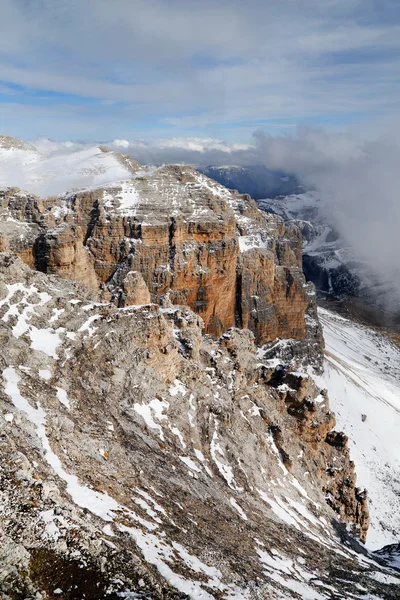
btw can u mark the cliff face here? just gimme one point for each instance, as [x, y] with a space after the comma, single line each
[182, 234]
[141, 458]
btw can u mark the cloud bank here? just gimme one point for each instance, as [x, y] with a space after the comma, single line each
[359, 181]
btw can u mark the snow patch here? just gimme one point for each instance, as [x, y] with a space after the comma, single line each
[62, 397]
[100, 504]
[248, 242]
[153, 409]
[238, 508]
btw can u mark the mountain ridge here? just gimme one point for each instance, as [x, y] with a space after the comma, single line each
[211, 476]
[165, 427]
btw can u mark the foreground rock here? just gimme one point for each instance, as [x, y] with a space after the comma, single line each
[142, 459]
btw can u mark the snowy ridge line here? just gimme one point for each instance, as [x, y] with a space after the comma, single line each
[40, 174]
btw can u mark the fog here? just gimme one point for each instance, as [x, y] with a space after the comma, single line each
[359, 180]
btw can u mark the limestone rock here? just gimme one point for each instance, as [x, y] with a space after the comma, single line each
[208, 247]
[134, 290]
[143, 457]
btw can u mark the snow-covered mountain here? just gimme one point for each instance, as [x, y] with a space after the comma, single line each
[141, 458]
[53, 168]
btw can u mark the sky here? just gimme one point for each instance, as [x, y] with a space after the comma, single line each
[151, 69]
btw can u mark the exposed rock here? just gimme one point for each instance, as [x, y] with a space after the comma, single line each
[64, 253]
[10, 143]
[391, 554]
[134, 290]
[21, 223]
[201, 471]
[209, 247]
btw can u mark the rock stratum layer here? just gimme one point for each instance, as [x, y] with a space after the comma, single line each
[169, 231]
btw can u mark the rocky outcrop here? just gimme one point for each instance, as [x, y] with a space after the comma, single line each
[208, 247]
[134, 290]
[141, 458]
[303, 401]
[21, 216]
[62, 251]
[10, 143]
[391, 554]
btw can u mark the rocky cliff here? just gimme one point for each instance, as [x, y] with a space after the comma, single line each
[143, 459]
[169, 230]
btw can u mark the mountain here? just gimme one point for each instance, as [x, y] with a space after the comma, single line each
[165, 427]
[47, 173]
[256, 180]
[332, 264]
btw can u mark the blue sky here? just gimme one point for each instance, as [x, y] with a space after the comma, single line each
[98, 70]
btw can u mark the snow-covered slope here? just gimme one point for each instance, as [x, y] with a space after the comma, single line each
[362, 375]
[140, 459]
[51, 172]
[305, 206]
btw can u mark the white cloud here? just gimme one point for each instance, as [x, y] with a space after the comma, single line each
[359, 180]
[121, 143]
[195, 66]
[202, 145]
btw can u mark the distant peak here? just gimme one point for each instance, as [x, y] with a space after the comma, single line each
[10, 143]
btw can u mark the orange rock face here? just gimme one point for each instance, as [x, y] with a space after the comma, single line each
[64, 254]
[175, 231]
[272, 299]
